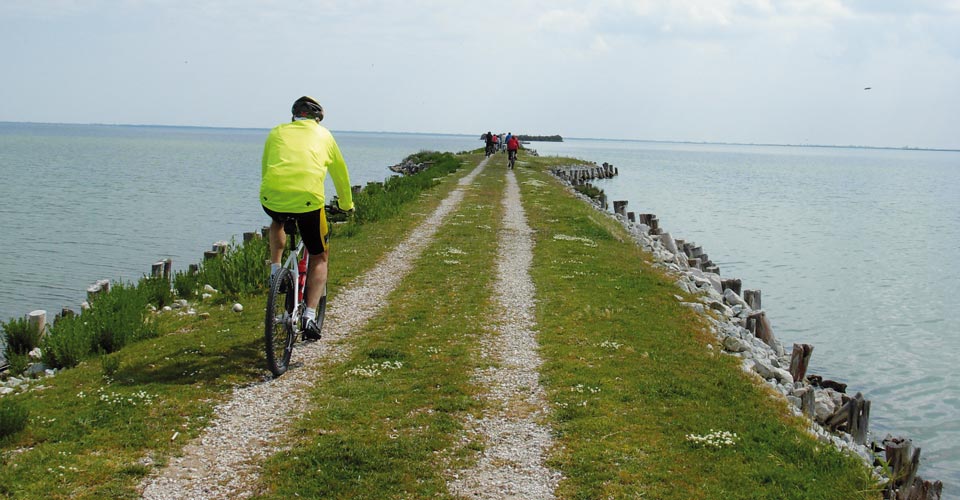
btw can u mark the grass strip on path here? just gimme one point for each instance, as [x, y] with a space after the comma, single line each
[386, 422]
[632, 379]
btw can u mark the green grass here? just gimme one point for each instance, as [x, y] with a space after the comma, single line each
[626, 369]
[388, 419]
[630, 376]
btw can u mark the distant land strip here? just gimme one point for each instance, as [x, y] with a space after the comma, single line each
[540, 138]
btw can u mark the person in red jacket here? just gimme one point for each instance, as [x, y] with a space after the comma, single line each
[513, 144]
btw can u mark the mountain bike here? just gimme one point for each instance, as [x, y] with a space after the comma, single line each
[286, 303]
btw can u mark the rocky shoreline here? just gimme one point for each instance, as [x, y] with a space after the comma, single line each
[742, 330]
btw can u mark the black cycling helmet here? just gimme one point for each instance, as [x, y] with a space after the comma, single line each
[307, 107]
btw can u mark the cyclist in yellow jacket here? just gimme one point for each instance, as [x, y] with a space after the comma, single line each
[296, 159]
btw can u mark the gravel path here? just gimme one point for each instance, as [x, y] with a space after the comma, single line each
[224, 461]
[516, 443]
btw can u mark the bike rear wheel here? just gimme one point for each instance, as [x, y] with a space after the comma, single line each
[279, 333]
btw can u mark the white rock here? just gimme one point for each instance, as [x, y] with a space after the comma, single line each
[6, 390]
[238, 307]
[206, 296]
[209, 289]
[734, 344]
[167, 308]
[696, 307]
[35, 353]
[733, 299]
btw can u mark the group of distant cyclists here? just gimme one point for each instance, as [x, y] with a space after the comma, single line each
[496, 143]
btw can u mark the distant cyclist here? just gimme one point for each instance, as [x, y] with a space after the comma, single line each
[489, 141]
[513, 145]
[296, 159]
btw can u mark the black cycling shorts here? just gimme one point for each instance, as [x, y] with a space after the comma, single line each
[312, 226]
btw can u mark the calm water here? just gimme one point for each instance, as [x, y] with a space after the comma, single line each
[855, 251]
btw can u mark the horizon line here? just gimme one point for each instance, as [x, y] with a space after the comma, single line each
[655, 141]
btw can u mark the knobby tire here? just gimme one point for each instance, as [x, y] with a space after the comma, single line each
[278, 329]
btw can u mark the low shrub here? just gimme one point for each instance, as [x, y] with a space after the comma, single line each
[241, 270]
[13, 417]
[68, 343]
[110, 365]
[118, 318]
[156, 291]
[186, 284]
[378, 201]
[20, 336]
[17, 363]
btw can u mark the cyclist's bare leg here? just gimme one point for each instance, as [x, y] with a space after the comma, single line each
[316, 278]
[278, 240]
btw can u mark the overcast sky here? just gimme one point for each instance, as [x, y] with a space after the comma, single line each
[693, 70]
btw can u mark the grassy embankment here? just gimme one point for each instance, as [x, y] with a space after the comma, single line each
[626, 368]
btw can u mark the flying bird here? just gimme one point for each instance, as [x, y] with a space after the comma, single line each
[867, 88]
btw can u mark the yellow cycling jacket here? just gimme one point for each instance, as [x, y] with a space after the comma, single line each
[296, 159]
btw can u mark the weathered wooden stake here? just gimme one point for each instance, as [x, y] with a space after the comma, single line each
[156, 270]
[37, 320]
[808, 401]
[167, 268]
[620, 207]
[761, 327]
[733, 284]
[632, 217]
[799, 360]
[903, 468]
[752, 298]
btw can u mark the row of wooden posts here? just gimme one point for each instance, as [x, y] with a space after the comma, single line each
[582, 173]
[851, 417]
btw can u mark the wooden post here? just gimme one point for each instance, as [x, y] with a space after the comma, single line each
[37, 320]
[799, 360]
[762, 328]
[193, 269]
[210, 254]
[250, 235]
[167, 268]
[66, 312]
[733, 284]
[96, 289]
[863, 422]
[903, 465]
[808, 403]
[752, 298]
[156, 270]
[632, 217]
[620, 207]
[265, 231]
[694, 263]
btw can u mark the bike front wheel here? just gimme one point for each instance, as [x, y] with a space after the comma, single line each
[279, 333]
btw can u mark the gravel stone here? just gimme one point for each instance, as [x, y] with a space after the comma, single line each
[512, 464]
